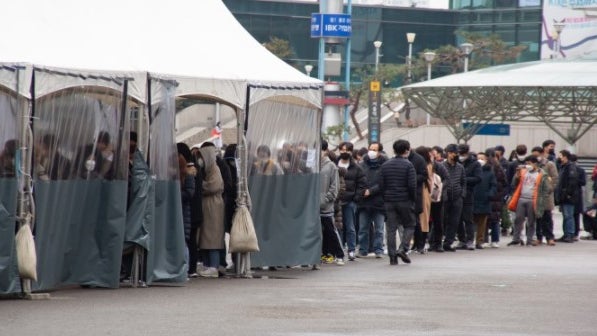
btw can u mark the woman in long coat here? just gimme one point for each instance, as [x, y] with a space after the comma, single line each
[211, 237]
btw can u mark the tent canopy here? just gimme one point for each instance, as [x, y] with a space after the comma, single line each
[560, 93]
[198, 43]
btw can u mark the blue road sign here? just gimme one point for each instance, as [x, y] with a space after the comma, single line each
[331, 25]
[490, 129]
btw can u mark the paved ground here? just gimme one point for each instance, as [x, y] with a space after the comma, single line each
[506, 291]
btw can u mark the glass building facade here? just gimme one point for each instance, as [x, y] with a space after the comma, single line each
[516, 23]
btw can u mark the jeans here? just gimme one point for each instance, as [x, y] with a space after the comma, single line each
[568, 212]
[400, 215]
[211, 258]
[348, 222]
[495, 231]
[366, 217]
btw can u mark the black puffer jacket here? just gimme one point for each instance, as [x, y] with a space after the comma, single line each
[398, 181]
[356, 183]
[372, 171]
[472, 171]
[455, 185]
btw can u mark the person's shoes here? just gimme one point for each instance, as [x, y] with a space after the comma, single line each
[421, 250]
[193, 275]
[393, 260]
[378, 255]
[327, 259]
[209, 272]
[512, 243]
[568, 240]
[339, 261]
[576, 238]
[351, 255]
[470, 247]
[551, 242]
[479, 247]
[461, 246]
[438, 249]
[533, 242]
[316, 267]
[403, 256]
[361, 255]
[561, 239]
[449, 248]
[494, 245]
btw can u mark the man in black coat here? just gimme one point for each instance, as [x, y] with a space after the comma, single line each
[454, 190]
[398, 185]
[472, 171]
[566, 194]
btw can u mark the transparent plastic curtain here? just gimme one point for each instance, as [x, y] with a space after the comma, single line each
[80, 186]
[166, 255]
[283, 167]
[9, 142]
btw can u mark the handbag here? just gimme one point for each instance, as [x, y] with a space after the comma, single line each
[26, 258]
[242, 234]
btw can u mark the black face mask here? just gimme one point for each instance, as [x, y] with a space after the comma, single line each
[552, 152]
[344, 156]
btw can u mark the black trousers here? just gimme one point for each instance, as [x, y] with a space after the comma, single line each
[193, 253]
[420, 236]
[545, 226]
[330, 238]
[436, 229]
[452, 218]
[466, 227]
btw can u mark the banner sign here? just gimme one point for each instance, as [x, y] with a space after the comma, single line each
[374, 111]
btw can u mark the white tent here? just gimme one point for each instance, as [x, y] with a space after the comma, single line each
[198, 43]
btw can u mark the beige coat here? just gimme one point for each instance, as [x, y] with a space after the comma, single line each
[551, 170]
[424, 216]
[211, 236]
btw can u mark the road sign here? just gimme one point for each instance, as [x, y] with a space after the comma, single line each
[490, 129]
[331, 25]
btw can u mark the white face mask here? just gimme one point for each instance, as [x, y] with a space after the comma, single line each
[482, 162]
[462, 158]
[528, 167]
[520, 157]
[343, 165]
[372, 155]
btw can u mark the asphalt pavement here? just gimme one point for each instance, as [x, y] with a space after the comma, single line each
[506, 291]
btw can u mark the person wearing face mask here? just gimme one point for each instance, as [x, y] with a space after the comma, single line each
[549, 147]
[531, 192]
[454, 190]
[356, 185]
[371, 207]
[545, 221]
[484, 192]
[472, 170]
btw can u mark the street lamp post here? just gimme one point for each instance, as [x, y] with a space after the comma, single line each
[466, 48]
[429, 56]
[558, 27]
[410, 38]
[308, 69]
[377, 45]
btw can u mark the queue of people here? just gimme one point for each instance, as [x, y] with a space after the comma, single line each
[445, 199]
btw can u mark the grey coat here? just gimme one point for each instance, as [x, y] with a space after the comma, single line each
[328, 176]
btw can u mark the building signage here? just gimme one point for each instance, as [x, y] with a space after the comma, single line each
[489, 129]
[374, 111]
[330, 25]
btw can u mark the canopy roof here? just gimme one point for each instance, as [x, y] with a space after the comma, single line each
[560, 93]
[198, 43]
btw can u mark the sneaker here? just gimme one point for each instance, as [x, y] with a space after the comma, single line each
[449, 248]
[328, 259]
[378, 255]
[351, 255]
[339, 261]
[193, 275]
[461, 246]
[210, 272]
[551, 242]
[316, 267]
[494, 245]
[361, 255]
